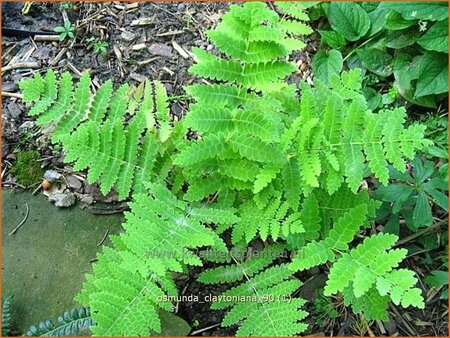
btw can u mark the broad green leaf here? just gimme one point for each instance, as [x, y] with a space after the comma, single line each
[436, 38]
[433, 74]
[395, 192]
[422, 170]
[394, 21]
[377, 20]
[349, 19]
[393, 225]
[405, 71]
[373, 98]
[325, 64]
[433, 11]
[438, 197]
[413, 297]
[437, 278]
[332, 39]
[369, 6]
[422, 212]
[376, 60]
[402, 38]
[439, 152]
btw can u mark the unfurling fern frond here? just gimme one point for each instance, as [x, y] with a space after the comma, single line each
[262, 304]
[72, 323]
[93, 131]
[130, 280]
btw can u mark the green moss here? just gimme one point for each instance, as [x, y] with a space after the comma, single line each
[27, 170]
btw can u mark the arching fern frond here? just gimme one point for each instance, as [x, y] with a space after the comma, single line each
[373, 263]
[262, 303]
[338, 146]
[130, 280]
[93, 131]
[355, 272]
[72, 323]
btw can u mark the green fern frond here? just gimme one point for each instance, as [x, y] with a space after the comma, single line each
[372, 305]
[130, 280]
[343, 232]
[215, 95]
[293, 9]
[81, 101]
[370, 265]
[276, 220]
[291, 177]
[262, 303]
[230, 274]
[93, 131]
[71, 323]
[209, 147]
[373, 263]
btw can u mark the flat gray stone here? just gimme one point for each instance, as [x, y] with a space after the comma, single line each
[128, 36]
[73, 182]
[63, 200]
[160, 49]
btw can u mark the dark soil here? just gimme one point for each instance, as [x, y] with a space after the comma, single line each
[135, 53]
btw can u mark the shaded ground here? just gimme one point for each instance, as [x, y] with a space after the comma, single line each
[44, 262]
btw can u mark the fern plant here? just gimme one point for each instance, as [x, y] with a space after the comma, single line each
[256, 132]
[266, 161]
[238, 119]
[273, 146]
[93, 131]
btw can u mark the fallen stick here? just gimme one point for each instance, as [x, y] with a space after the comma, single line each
[16, 95]
[193, 333]
[58, 57]
[21, 223]
[46, 38]
[104, 238]
[21, 65]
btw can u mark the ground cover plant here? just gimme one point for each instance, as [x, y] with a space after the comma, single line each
[262, 182]
[407, 41]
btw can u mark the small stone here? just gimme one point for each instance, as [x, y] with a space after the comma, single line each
[52, 175]
[160, 49]
[11, 157]
[5, 149]
[42, 53]
[143, 22]
[13, 109]
[181, 7]
[91, 188]
[46, 185]
[209, 48]
[26, 125]
[62, 63]
[128, 36]
[87, 199]
[9, 87]
[138, 77]
[63, 200]
[73, 182]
